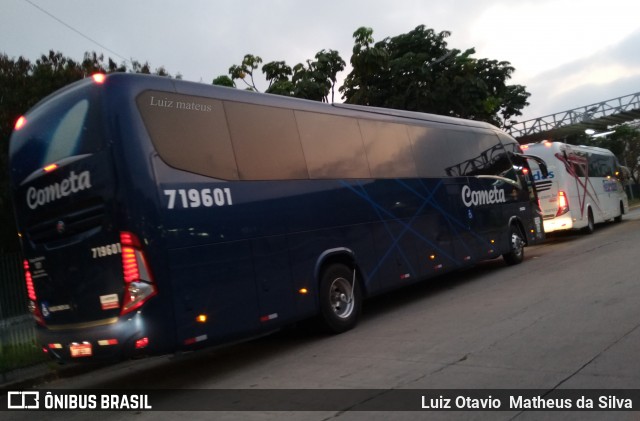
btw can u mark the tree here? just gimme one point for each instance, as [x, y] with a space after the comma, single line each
[246, 68]
[22, 85]
[328, 65]
[624, 142]
[628, 137]
[370, 71]
[224, 80]
[314, 80]
[277, 74]
[276, 71]
[308, 83]
[418, 72]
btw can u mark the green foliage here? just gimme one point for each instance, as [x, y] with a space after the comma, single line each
[22, 85]
[314, 80]
[418, 72]
[14, 356]
[414, 71]
[277, 74]
[246, 69]
[224, 81]
[328, 64]
[276, 71]
[624, 142]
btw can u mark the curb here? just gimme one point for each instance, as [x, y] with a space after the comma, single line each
[29, 377]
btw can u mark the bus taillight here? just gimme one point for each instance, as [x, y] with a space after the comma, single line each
[139, 285]
[31, 293]
[563, 203]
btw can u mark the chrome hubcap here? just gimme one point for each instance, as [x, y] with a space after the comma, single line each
[341, 298]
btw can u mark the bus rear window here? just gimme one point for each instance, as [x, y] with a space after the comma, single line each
[59, 128]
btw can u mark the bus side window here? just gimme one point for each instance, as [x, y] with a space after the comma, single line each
[332, 146]
[579, 169]
[268, 149]
[601, 165]
[431, 151]
[479, 153]
[388, 149]
[198, 142]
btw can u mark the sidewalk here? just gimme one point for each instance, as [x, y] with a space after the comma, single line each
[29, 377]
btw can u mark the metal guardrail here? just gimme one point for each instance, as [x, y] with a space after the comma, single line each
[18, 348]
[13, 296]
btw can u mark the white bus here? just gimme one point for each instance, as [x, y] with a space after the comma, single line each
[583, 186]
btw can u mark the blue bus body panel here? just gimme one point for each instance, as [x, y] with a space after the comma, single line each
[242, 261]
[248, 255]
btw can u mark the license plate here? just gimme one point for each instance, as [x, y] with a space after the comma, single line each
[80, 350]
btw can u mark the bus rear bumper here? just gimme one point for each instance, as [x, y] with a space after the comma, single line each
[559, 223]
[109, 340]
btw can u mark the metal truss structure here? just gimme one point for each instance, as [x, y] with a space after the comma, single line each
[598, 117]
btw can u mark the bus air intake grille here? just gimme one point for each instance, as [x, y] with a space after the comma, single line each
[543, 185]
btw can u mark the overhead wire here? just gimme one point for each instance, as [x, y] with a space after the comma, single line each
[51, 15]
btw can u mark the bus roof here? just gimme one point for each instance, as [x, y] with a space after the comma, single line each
[234, 94]
[557, 146]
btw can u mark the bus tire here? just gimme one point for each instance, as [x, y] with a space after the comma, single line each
[515, 254]
[591, 226]
[340, 300]
[619, 217]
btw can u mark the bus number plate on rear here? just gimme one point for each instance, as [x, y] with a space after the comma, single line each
[196, 198]
[80, 350]
[108, 250]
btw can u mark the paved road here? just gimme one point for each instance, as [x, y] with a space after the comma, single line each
[567, 318]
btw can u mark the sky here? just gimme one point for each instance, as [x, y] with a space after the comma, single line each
[567, 53]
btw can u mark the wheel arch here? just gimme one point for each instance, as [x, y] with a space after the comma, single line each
[517, 222]
[339, 255]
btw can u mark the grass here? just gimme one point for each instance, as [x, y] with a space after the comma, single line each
[13, 356]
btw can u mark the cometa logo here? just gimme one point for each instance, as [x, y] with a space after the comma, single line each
[70, 185]
[482, 197]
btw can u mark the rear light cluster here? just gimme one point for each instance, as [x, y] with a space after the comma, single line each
[563, 203]
[31, 293]
[139, 285]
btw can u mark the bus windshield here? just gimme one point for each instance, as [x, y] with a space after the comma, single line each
[59, 128]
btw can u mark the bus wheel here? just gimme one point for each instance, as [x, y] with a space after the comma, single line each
[516, 243]
[591, 226]
[619, 217]
[340, 299]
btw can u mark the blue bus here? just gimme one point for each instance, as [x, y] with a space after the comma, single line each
[159, 215]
